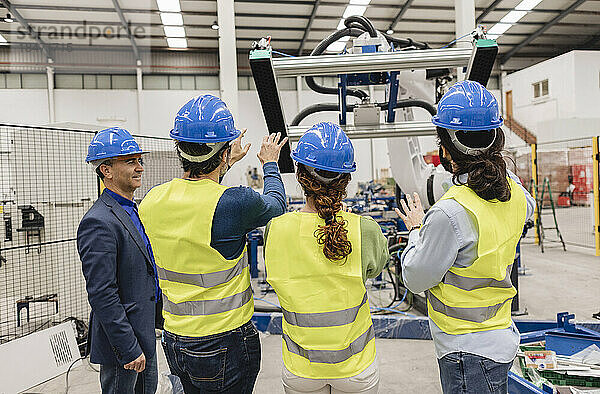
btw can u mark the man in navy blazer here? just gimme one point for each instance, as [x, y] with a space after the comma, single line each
[119, 270]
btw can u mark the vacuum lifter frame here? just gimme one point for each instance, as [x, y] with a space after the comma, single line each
[266, 70]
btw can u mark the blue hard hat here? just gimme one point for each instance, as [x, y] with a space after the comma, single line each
[468, 106]
[204, 119]
[325, 146]
[112, 142]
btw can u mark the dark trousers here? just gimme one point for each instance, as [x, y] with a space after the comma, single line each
[114, 379]
[465, 373]
[227, 362]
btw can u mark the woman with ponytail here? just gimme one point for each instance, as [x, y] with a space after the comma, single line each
[318, 260]
[461, 252]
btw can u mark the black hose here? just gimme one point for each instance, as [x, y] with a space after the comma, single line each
[324, 107]
[320, 48]
[364, 22]
[406, 42]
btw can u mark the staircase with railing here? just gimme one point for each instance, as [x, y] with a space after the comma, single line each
[520, 130]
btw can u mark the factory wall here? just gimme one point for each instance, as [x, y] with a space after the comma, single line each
[570, 110]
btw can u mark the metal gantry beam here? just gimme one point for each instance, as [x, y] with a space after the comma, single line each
[400, 14]
[541, 31]
[486, 11]
[386, 130]
[358, 63]
[308, 26]
[43, 46]
[136, 51]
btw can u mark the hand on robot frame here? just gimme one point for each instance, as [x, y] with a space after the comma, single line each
[414, 212]
[270, 148]
[237, 152]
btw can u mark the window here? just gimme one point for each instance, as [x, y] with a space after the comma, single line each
[93, 81]
[13, 81]
[34, 81]
[180, 82]
[68, 81]
[540, 89]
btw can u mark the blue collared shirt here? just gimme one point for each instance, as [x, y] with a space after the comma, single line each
[132, 210]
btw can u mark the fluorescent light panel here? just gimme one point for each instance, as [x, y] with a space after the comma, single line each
[174, 31]
[338, 46]
[513, 16]
[171, 19]
[354, 10]
[2, 39]
[176, 42]
[499, 29]
[169, 5]
[527, 5]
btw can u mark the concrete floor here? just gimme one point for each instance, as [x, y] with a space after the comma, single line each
[556, 281]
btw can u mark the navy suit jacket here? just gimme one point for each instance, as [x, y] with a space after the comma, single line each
[120, 285]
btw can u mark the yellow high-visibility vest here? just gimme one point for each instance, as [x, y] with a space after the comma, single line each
[203, 293]
[478, 297]
[327, 327]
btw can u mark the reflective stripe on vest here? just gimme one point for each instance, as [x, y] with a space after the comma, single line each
[208, 307]
[203, 292]
[468, 284]
[331, 356]
[323, 319]
[477, 297]
[477, 315]
[327, 328]
[210, 279]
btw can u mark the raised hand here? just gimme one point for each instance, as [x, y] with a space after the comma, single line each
[270, 148]
[237, 152]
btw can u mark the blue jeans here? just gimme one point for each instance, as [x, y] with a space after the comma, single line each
[466, 373]
[114, 379]
[227, 362]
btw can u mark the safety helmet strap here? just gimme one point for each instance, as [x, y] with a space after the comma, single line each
[467, 150]
[216, 147]
[313, 172]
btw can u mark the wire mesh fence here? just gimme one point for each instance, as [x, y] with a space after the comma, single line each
[564, 189]
[45, 189]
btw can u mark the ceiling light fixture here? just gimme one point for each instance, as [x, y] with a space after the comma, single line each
[2, 39]
[499, 29]
[171, 19]
[8, 19]
[527, 5]
[174, 31]
[176, 42]
[513, 16]
[215, 26]
[354, 10]
[389, 31]
[169, 5]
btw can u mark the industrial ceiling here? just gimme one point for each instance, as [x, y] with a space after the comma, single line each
[552, 27]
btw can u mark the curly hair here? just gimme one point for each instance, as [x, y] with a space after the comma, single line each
[327, 197]
[486, 173]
